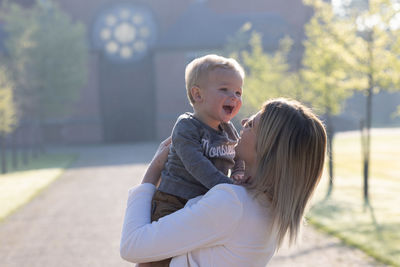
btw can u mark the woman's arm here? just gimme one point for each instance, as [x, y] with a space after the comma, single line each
[207, 223]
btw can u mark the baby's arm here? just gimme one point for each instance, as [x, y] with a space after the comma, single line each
[187, 144]
[238, 171]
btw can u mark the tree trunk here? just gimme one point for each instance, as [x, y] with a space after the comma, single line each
[24, 139]
[366, 146]
[3, 154]
[42, 148]
[330, 135]
[13, 143]
[34, 142]
[368, 118]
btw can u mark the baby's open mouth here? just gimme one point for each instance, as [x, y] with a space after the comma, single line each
[228, 109]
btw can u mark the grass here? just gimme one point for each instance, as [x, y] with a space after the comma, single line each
[19, 186]
[375, 229]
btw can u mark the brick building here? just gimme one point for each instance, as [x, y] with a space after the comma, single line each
[138, 52]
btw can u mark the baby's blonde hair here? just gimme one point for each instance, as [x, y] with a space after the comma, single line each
[290, 149]
[199, 68]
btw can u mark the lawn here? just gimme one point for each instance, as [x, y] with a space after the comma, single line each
[19, 186]
[375, 229]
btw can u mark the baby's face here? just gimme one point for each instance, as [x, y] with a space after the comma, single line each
[222, 93]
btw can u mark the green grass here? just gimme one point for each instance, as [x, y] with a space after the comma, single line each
[19, 186]
[375, 229]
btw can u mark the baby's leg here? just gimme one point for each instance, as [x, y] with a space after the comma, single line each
[163, 204]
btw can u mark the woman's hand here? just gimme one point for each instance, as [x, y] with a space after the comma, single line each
[153, 172]
[161, 155]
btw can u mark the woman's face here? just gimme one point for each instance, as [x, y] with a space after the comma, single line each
[246, 148]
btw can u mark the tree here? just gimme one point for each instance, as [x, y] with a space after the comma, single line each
[16, 62]
[8, 118]
[370, 47]
[324, 72]
[267, 74]
[52, 58]
[377, 62]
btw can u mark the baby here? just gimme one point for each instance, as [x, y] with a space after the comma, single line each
[202, 152]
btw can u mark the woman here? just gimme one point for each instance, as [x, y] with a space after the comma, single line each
[283, 147]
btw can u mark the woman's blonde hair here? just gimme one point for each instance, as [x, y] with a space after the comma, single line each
[290, 147]
[199, 68]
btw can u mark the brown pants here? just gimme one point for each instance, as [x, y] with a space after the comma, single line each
[162, 205]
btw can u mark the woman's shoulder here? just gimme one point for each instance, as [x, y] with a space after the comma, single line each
[230, 187]
[223, 195]
[230, 190]
[243, 195]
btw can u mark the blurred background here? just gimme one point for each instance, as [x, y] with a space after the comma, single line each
[109, 72]
[102, 73]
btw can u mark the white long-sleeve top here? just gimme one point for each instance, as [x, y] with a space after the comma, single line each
[225, 227]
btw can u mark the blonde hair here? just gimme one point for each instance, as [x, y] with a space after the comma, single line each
[199, 68]
[290, 147]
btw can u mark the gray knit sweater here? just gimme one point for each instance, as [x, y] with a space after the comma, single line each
[199, 158]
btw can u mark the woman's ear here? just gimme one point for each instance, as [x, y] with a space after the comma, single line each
[196, 94]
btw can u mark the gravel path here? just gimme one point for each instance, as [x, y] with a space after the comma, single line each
[77, 220]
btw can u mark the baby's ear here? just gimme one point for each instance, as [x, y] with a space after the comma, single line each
[196, 94]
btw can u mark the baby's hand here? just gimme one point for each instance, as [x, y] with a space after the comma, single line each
[238, 178]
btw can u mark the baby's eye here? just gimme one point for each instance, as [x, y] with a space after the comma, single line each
[238, 93]
[223, 89]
